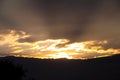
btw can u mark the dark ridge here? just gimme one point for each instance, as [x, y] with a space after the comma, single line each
[99, 59]
[105, 68]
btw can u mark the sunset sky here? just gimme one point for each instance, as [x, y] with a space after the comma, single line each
[74, 29]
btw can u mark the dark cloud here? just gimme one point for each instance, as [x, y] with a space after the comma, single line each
[77, 20]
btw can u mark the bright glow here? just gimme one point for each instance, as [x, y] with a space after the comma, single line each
[52, 48]
[60, 55]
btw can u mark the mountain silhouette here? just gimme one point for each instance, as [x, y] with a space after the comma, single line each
[106, 68]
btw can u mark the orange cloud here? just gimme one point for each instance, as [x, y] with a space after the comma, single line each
[51, 48]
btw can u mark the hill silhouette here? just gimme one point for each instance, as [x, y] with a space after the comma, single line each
[107, 68]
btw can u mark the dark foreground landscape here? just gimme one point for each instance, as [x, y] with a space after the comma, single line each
[17, 68]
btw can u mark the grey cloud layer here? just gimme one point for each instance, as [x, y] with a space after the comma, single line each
[77, 20]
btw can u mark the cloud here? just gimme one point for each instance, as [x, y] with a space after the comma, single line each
[52, 48]
[75, 20]
[47, 22]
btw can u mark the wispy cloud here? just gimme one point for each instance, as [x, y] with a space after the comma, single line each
[52, 48]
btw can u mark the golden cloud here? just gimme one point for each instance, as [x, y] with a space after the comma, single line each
[52, 48]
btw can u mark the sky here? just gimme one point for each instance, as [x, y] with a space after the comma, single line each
[29, 25]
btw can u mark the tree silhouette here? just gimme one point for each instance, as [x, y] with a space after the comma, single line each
[10, 71]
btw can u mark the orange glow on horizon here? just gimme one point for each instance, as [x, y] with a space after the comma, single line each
[51, 48]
